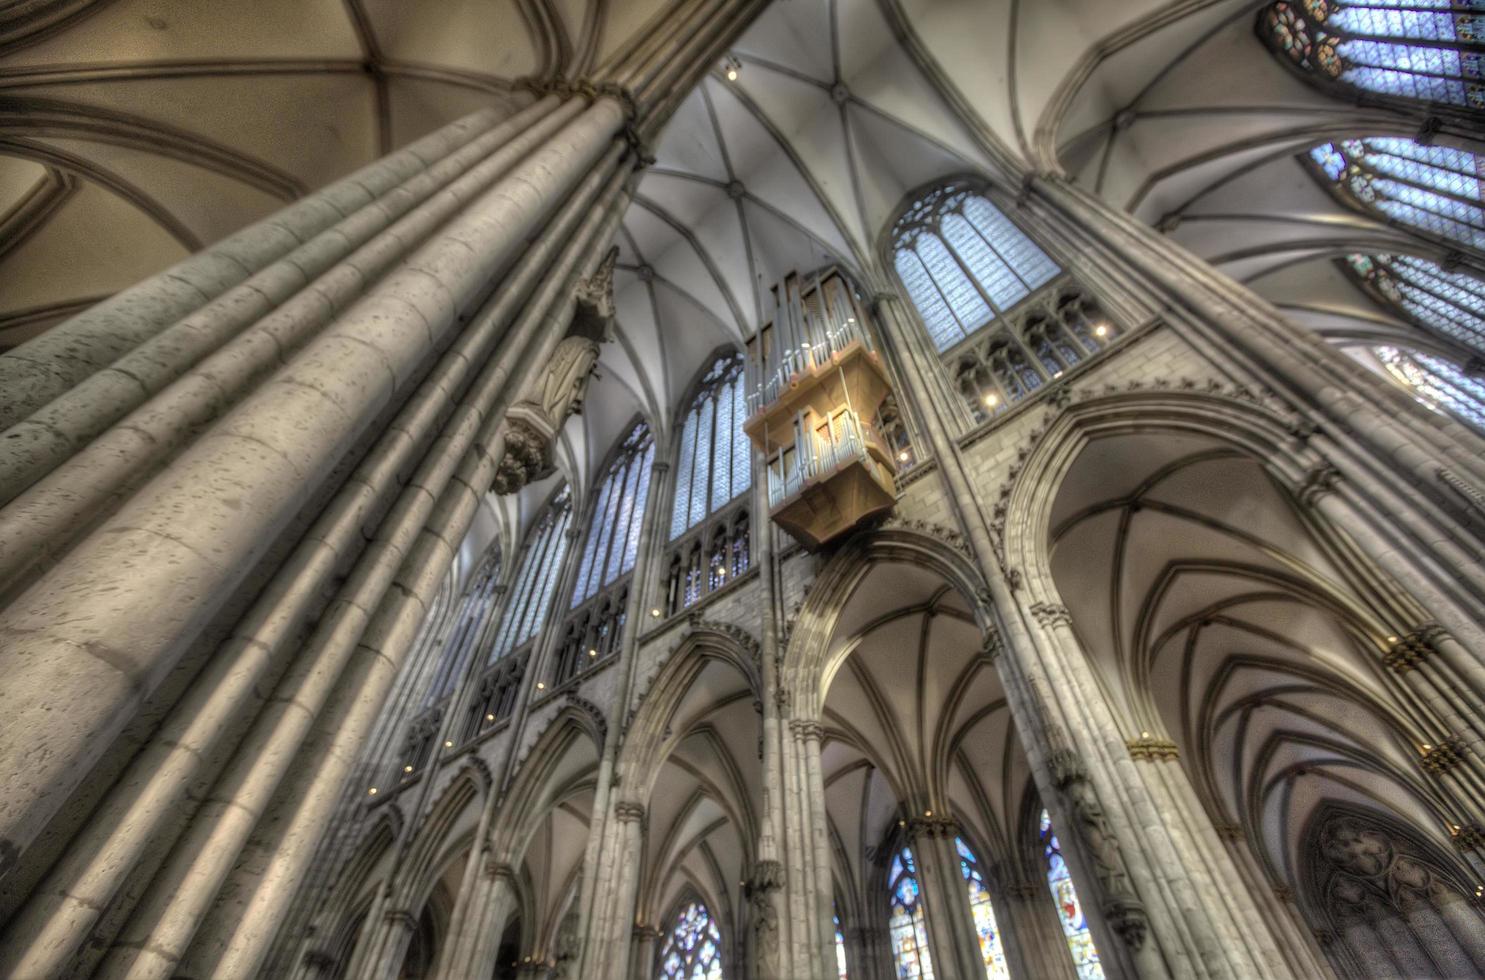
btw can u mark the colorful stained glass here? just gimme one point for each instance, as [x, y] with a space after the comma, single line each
[907, 926]
[613, 531]
[840, 951]
[1415, 49]
[716, 457]
[1436, 383]
[693, 950]
[992, 950]
[1435, 189]
[1069, 909]
[546, 546]
[963, 262]
[1448, 303]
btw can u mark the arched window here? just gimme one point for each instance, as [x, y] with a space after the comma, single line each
[907, 926]
[840, 950]
[1450, 304]
[1069, 909]
[536, 577]
[1437, 383]
[992, 950]
[461, 639]
[693, 950]
[618, 512]
[1435, 189]
[1416, 49]
[716, 458]
[963, 262]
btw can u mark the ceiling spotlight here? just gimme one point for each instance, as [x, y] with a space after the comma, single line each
[407, 768]
[540, 686]
[448, 744]
[592, 652]
[731, 66]
[371, 792]
[489, 717]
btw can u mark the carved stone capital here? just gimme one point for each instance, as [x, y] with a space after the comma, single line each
[1229, 831]
[1051, 615]
[932, 827]
[1413, 647]
[1442, 757]
[525, 457]
[593, 315]
[1152, 749]
[400, 918]
[1319, 480]
[1067, 768]
[498, 870]
[767, 876]
[805, 730]
[1284, 893]
[992, 646]
[1470, 837]
[642, 933]
[627, 811]
[1126, 916]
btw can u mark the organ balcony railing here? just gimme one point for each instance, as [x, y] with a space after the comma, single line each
[814, 379]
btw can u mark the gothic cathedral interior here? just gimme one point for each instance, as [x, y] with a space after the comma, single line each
[742, 489]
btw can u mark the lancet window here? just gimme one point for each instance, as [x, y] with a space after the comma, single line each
[715, 462]
[964, 263]
[1437, 383]
[693, 949]
[840, 950]
[907, 925]
[536, 577]
[992, 949]
[1427, 50]
[709, 528]
[1069, 909]
[1433, 189]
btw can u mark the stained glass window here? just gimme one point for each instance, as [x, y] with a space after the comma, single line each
[1416, 49]
[963, 262]
[461, 640]
[907, 925]
[1435, 189]
[613, 533]
[1447, 303]
[693, 950]
[992, 950]
[1437, 383]
[536, 577]
[716, 461]
[840, 951]
[1069, 909]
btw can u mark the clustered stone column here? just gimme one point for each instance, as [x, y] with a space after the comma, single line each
[329, 389]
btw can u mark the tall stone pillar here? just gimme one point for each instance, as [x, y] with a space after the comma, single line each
[952, 939]
[1030, 929]
[613, 925]
[474, 942]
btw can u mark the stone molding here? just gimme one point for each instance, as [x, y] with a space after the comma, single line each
[1051, 615]
[932, 827]
[1413, 647]
[1152, 749]
[1318, 481]
[1443, 756]
[627, 811]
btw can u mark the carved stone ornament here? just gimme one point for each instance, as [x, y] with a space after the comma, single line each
[935, 827]
[1126, 916]
[525, 457]
[1442, 757]
[533, 422]
[627, 811]
[497, 870]
[1051, 615]
[1470, 837]
[1413, 648]
[1151, 749]
[766, 880]
[593, 317]
[1318, 481]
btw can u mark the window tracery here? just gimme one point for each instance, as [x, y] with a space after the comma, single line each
[1057, 330]
[1436, 383]
[536, 577]
[1069, 909]
[1450, 304]
[964, 263]
[693, 948]
[992, 950]
[715, 463]
[907, 926]
[1434, 189]
[1428, 50]
[619, 506]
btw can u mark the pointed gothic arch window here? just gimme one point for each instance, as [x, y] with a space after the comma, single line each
[693, 948]
[907, 926]
[963, 262]
[715, 462]
[1426, 50]
[992, 949]
[1436, 190]
[536, 576]
[618, 512]
[1069, 909]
